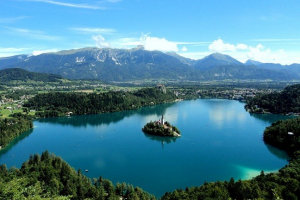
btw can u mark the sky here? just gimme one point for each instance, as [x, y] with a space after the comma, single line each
[262, 30]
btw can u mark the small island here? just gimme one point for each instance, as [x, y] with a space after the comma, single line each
[161, 128]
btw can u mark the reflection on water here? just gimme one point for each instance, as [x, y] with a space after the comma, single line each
[107, 118]
[15, 142]
[162, 140]
[223, 111]
[270, 118]
[217, 136]
[277, 152]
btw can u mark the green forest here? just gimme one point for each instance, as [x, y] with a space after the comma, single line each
[286, 101]
[277, 134]
[16, 74]
[49, 177]
[59, 103]
[10, 128]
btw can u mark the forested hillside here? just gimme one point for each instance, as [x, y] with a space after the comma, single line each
[16, 74]
[10, 128]
[277, 102]
[58, 104]
[284, 134]
[49, 177]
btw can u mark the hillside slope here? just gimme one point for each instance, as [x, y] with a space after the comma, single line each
[283, 102]
[16, 74]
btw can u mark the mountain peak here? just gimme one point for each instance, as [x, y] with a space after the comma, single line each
[109, 64]
[217, 59]
[220, 56]
[252, 62]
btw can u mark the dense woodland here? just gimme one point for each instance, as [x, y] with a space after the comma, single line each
[285, 102]
[49, 177]
[10, 128]
[277, 134]
[58, 104]
[16, 74]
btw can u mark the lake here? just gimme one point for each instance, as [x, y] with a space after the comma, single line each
[219, 140]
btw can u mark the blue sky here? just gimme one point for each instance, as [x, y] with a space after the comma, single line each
[264, 30]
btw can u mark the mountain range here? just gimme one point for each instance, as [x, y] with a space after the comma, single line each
[138, 64]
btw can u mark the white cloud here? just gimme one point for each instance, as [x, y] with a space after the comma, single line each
[241, 46]
[5, 52]
[194, 43]
[184, 49]
[35, 34]
[113, 1]
[100, 41]
[73, 5]
[266, 55]
[127, 42]
[160, 44]
[39, 52]
[149, 43]
[11, 49]
[90, 30]
[11, 19]
[277, 40]
[220, 46]
[259, 52]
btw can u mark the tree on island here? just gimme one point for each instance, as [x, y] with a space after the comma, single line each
[161, 128]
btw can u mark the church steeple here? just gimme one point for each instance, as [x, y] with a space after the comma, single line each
[162, 120]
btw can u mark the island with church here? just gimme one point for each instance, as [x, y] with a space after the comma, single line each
[161, 128]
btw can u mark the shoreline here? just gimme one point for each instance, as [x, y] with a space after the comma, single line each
[154, 105]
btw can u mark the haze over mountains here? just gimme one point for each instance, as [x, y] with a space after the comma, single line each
[139, 64]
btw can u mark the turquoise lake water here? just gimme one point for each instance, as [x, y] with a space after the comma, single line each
[219, 140]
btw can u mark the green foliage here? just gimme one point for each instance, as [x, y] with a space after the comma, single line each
[18, 93]
[13, 127]
[58, 104]
[277, 134]
[16, 74]
[49, 177]
[277, 102]
[155, 128]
